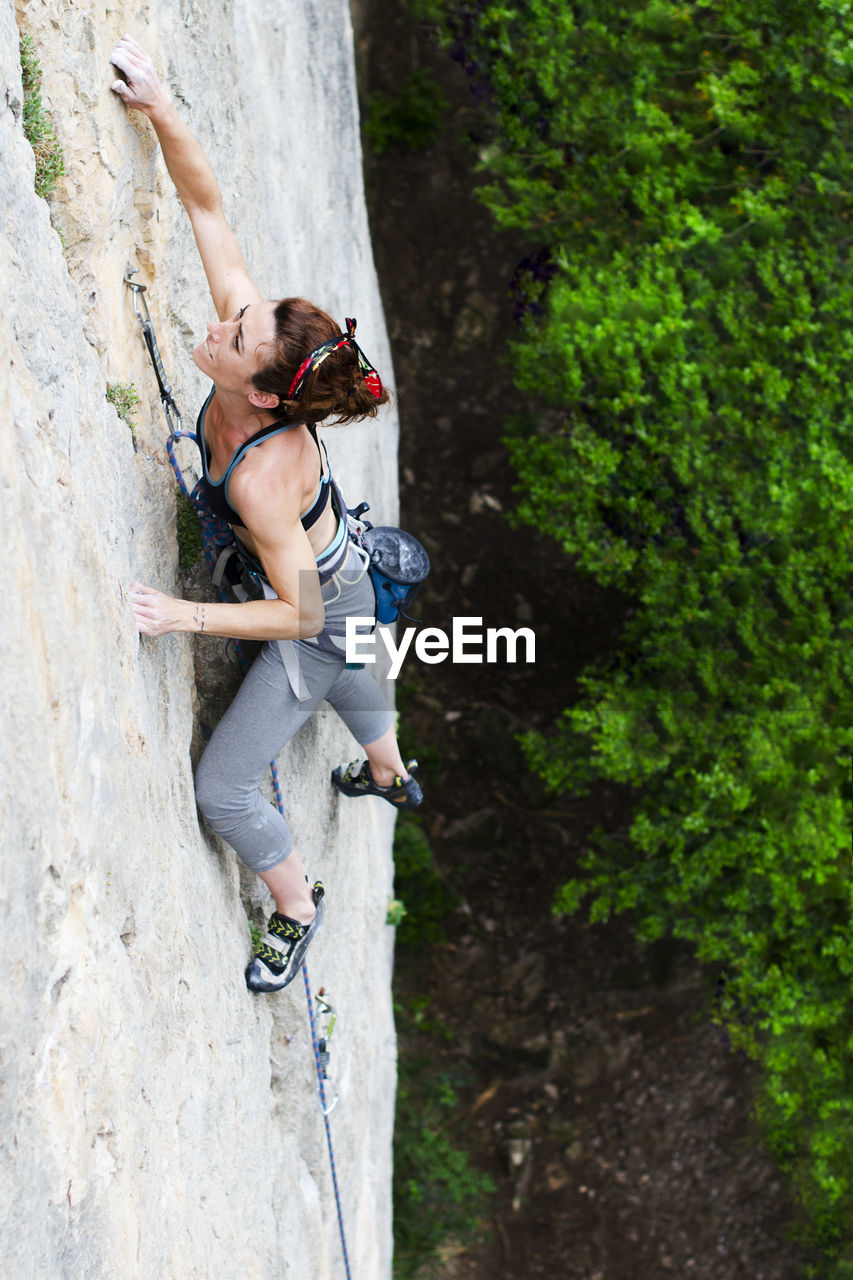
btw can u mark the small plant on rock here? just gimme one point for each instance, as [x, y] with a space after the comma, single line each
[396, 912]
[38, 126]
[122, 396]
[190, 549]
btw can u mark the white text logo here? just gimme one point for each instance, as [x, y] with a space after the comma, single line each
[465, 643]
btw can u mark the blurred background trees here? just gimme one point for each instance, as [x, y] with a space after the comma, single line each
[685, 345]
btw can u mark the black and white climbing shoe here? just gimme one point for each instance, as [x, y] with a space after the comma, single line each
[280, 952]
[356, 780]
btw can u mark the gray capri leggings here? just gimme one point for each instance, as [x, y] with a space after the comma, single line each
[265, 715]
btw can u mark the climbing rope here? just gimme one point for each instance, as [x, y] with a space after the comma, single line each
[211, 555]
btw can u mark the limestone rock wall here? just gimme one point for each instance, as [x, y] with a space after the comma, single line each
[157, 1120]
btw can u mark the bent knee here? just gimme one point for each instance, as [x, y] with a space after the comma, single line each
[213, 794]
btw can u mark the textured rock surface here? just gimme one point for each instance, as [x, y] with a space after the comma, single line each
[156, 1119]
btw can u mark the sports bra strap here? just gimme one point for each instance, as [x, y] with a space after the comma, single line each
[318, 506]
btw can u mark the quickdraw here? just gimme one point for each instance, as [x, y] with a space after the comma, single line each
[330, 1014]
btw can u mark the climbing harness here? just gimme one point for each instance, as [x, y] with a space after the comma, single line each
[212, 537]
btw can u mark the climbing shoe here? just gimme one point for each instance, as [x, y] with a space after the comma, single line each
[281, 950]
[356, 780]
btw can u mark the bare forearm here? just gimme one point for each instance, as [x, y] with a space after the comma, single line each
[158, 614]
[187, 164]
[253, 620]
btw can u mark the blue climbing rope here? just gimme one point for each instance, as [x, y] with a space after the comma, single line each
[211, 553]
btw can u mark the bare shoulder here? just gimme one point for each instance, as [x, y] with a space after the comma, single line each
[274, 478]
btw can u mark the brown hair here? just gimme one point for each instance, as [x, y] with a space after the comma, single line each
[337, 386]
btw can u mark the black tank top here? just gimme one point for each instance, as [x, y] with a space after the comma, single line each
[216, 491]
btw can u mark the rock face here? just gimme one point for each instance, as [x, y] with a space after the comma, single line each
[157, 1120]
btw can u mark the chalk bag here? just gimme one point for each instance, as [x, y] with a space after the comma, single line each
[398, 566]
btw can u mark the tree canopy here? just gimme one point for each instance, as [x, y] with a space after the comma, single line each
[685, 343]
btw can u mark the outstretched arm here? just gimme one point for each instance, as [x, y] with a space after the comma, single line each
[229, 282]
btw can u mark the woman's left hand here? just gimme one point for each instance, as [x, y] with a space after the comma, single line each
[156, 614]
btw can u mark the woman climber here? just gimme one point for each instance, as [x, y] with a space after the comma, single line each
[278, 369]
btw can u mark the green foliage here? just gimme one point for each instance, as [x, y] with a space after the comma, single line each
[412, 118]
[38, 126]
[418, 882]
[416, 1017]
[396, 912]
[438, 1196]
[688, 168]
[122, 396]
[188, 531]
[429, 757]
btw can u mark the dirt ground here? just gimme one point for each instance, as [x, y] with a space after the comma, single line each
[605, 1105]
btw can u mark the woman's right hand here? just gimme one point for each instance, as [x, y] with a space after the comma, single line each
[141, 87]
